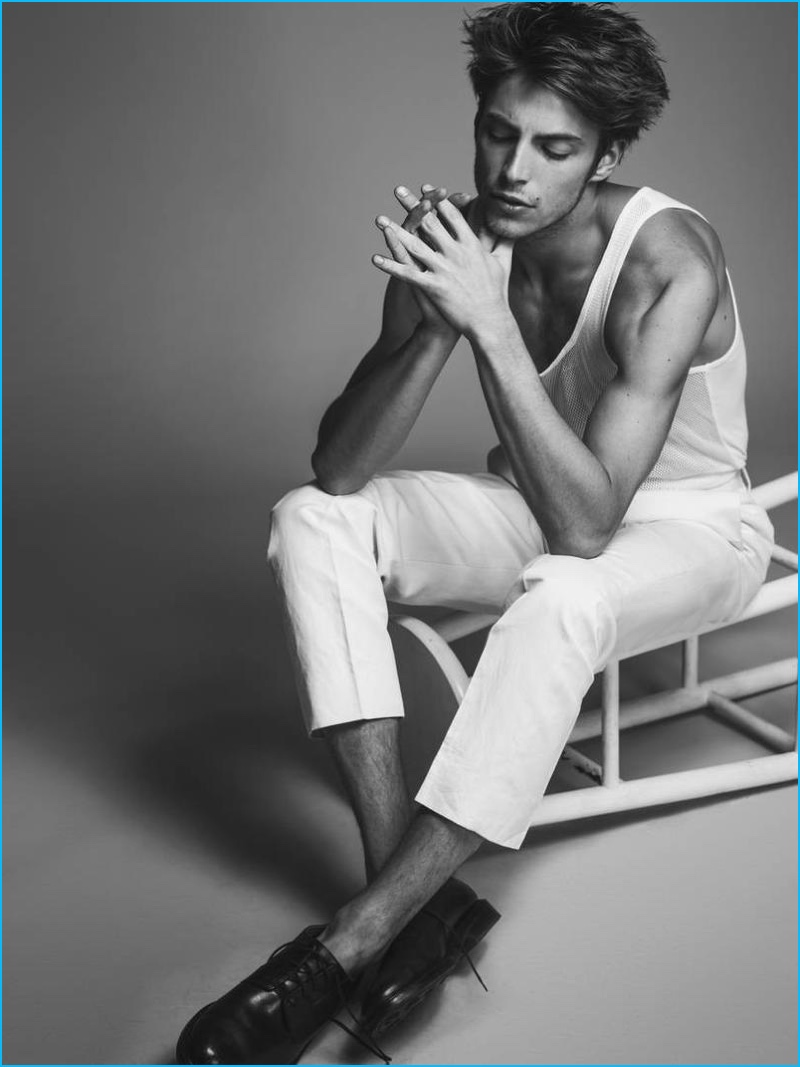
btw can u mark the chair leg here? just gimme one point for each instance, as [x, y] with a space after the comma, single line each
[691, 661]
[445, 657]
[610, 718]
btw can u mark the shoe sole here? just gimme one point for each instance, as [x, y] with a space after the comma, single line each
[469, 930]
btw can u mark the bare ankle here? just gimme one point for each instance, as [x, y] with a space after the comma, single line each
[353, 938]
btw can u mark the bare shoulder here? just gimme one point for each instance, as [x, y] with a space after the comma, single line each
[674, 245]
[676, 260]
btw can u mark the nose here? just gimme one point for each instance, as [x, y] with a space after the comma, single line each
[516, 168]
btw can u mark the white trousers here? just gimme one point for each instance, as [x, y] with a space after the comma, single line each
[469, 541]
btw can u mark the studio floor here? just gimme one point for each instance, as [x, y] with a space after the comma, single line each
[168, 825]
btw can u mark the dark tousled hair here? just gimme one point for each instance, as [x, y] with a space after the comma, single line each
[595, 56]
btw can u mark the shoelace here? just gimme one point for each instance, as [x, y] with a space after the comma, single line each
[308, 976]
[369, 1043]
[306, 979]
[464, 952]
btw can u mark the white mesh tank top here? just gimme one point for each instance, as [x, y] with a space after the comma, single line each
[706, 447]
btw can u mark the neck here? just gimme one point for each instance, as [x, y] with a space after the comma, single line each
[571, 242]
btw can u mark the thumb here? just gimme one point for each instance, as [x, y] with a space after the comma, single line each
[465, 203]
[503, 250]
[487, 239]
[476, 219]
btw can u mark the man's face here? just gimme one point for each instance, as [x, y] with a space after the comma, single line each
[534, 155]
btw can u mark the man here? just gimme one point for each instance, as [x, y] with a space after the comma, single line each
[606, 339]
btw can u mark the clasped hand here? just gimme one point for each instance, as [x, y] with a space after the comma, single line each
[463, 273]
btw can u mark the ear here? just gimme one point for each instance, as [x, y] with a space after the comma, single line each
[607, 162]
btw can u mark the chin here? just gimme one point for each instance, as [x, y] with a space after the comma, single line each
[508, 229]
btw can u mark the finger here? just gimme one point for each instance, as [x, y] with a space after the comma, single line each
[458, 225]
[435, 233]
[465, 203]
[412, 275]
[399, 253]
[504, 250]
[416, 215]
[418, 249]
[434, 193]
[477, 223]
[405, 197]
[417, 209]
[487, 239]
[413, 221]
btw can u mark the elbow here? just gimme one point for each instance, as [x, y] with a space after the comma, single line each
[580, 549]
[337, 488]
[329, 482]
[583, 544]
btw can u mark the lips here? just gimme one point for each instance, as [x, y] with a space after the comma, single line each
[510, 201]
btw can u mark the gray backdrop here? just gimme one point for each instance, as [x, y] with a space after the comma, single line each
[190, 194]
[189, 201]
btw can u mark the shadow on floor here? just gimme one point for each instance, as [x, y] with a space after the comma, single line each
[148, 653]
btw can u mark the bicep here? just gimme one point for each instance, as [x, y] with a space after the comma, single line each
[627, 430]
[654, 351]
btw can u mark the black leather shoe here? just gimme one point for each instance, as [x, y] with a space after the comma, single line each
[273, 1014]
[423, 954]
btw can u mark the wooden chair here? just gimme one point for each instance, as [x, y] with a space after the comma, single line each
[612, 794]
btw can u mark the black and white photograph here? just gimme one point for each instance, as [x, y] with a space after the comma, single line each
[400, 533]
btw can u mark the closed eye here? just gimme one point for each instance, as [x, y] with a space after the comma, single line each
[506, 137]
[499, 136]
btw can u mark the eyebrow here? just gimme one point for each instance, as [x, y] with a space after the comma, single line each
[573, 138]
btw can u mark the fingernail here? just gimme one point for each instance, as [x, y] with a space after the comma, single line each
[427, 188]
[401, 190]
[377, 259]
[382, 220]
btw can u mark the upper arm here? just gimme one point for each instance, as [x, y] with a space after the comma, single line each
[656, 329]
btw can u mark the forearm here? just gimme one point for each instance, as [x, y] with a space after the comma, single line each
[563, 483]
[365, 427]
